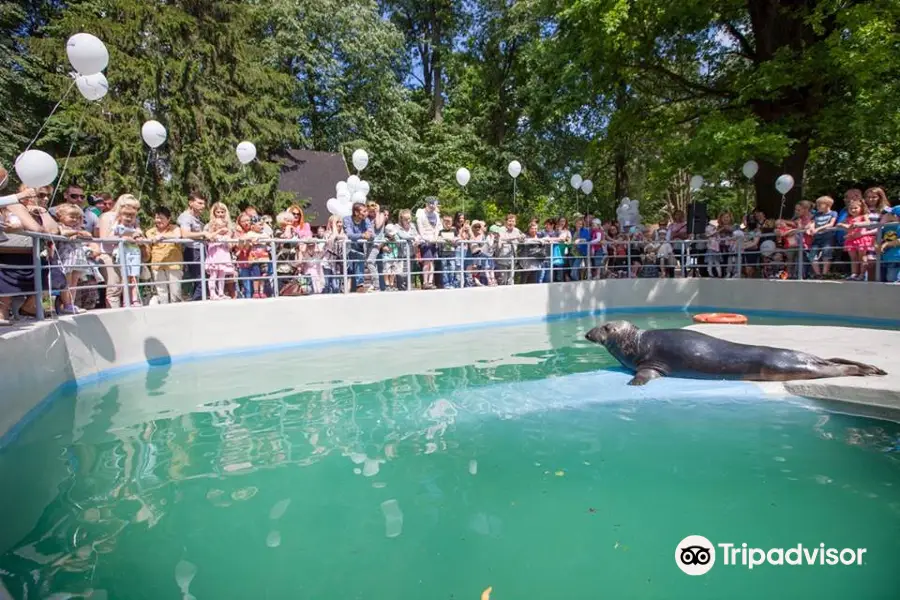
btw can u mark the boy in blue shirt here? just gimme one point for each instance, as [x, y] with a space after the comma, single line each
[890, 245]
[580, 248]
[823, 232]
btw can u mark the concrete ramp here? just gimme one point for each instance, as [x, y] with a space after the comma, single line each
[871, 396]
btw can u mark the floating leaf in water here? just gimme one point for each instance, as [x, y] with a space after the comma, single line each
[244, 493]
[393, 518]
[486, 594]
[473, 467]
[279, 509]
[560, 473]
[370, 468]
[273, 540]
[357, 471]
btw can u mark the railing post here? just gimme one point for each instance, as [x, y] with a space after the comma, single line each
[512, 265]
[628, 257]
[740, 249]
[878, 240]
[685, 257]
[274, 254]
[126, 291]
[800, 254]
[202, 266]
[461, 257]
[38, 280]
[552, 244]
[409, 248]
[345, 244]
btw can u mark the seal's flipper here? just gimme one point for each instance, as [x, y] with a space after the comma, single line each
[644, 375]
[861, 370]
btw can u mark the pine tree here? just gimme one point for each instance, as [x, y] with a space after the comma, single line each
[195, 66]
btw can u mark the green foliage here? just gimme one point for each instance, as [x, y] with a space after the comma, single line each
[637, 95]
[198, 68]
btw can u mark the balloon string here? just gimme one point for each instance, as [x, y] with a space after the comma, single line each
[47, 120]
[144, 176]
[59, 182]
[781, 210]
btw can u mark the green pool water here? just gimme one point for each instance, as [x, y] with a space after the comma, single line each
[434, 467]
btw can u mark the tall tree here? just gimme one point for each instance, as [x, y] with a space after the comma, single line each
[347, 64]
[430, 27]
[781, 65]
[197, 67]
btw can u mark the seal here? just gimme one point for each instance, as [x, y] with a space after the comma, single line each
[684, 353]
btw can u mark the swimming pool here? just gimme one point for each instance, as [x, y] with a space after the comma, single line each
[511, 457]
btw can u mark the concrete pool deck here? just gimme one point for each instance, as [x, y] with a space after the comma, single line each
[873, 396]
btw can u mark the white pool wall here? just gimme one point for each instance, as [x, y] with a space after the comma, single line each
[38, 360]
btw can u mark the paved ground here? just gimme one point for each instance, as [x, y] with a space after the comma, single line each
[876, 396]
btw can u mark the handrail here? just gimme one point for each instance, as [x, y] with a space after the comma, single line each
[339, 264]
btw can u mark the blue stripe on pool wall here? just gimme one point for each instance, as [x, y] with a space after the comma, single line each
[72, 385]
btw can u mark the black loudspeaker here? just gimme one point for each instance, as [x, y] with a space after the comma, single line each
[697, 218]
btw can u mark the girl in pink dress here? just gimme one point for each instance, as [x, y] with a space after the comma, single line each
[219, 265]
[859, 241]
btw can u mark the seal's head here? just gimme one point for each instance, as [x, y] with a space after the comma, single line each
[611, 333]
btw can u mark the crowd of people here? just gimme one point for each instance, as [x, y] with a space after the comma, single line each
[104, 257]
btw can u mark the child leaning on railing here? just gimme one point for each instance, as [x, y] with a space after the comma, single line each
[73, 254]
[890, 245]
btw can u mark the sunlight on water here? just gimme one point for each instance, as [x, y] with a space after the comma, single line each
[435, 467]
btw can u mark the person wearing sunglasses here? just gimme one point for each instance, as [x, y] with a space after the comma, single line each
[75, 196]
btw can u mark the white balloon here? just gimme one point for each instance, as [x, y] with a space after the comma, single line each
[353, 183]
[514, 168]
[341, 188]
[345, 208]
[360, 159]
[246, 152]
[750, 169]
[333, 206]
[92, 87]
[696, 183]
[784, 183]
[587, 186]
[358, 196]
[364, 187]
[463, 176]
[576, 181]
[344, 197]
[154, 133]
[87, 53]
[36, 168]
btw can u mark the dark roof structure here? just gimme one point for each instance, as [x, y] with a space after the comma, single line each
[311, 176]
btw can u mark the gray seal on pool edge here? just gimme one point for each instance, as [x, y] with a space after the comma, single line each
[684, 353]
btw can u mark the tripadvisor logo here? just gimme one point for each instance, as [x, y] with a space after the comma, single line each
[696, 555]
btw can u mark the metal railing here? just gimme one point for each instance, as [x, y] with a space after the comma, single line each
[275, 267]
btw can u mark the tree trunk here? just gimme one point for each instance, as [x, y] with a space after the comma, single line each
[784, 26]
[437, 98]
[621, 174]
[620, 149]
[767, 197]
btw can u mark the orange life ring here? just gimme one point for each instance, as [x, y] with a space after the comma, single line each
[721, 318]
